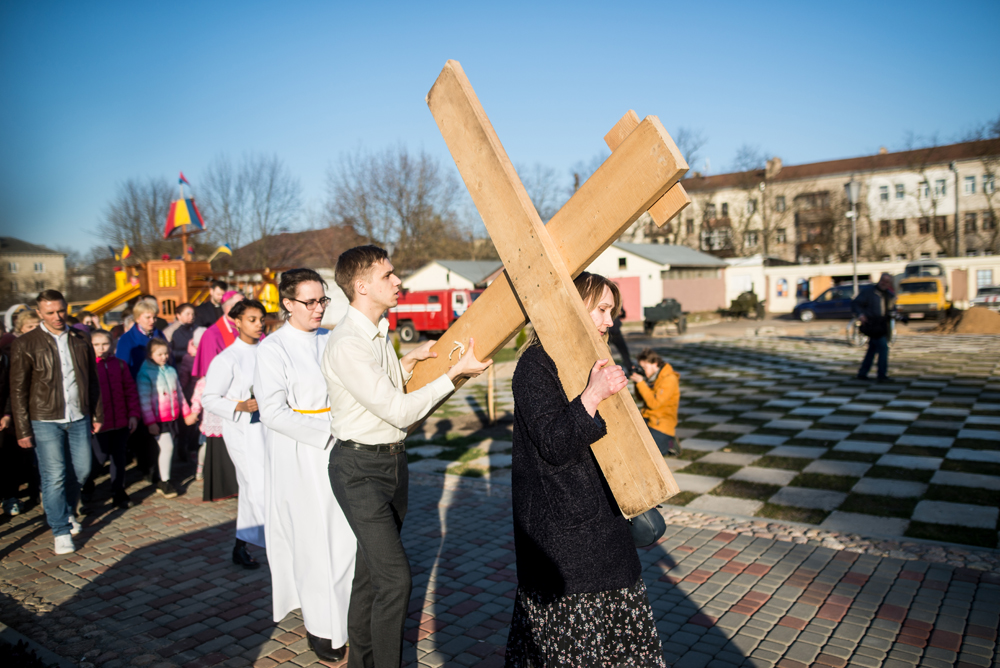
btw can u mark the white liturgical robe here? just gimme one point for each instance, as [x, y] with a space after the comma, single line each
[310, 546]
[228, 382]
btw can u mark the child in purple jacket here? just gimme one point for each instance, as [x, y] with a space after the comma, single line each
[121, 414]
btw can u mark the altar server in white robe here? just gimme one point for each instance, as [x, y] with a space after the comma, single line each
[229, 394]
[310, 545]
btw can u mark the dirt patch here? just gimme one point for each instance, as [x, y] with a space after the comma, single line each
[977, 320]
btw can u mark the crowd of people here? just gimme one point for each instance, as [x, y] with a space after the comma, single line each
[307, 427]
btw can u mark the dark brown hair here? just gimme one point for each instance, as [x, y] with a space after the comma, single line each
[246, 305]
[50, 296]
[155, 343]
[651, 356]
[354, 263]
[288, 287]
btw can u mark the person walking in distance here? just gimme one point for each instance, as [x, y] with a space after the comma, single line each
[56, 404]
[310, 546]
[370, 412]
[874, 306]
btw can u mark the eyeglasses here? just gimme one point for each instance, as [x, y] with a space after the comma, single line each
[312, 303]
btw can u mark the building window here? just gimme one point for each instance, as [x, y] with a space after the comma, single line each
[901, 227]
[989, 222]
[941, 223]
[970, 222]
[925, 256]
[751, 207]
[901, 256]
[39, 285]
[39, 267]
[13, 286]
[685, 274]
[780, 236]
[622, 263]
[923, 190]
[886, 258]
[885, 228]
[751, 240]
[710, 211]
[925, 225]
[940, 188]
[971, 252]
[984, 277]
[12, 267]
[689, 226]
[900, 191]
[970, 185]
[779, 204]
[989, 185]
[725, 210]
[883, 193]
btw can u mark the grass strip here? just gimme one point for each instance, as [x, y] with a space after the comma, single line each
[952, 534]
[682, 499]
[896, 473]
[715, 470]
[743, 489]
[837, 483]
[883, 506]
[784, 463]
[747, 448]
[846, 456]
[791, 514]
[955, 494]
[966, 466]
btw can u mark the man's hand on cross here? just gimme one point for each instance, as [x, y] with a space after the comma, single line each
[468, 366]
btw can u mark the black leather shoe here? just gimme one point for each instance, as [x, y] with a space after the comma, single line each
[324, 648]
[243, 558]
[123, 501]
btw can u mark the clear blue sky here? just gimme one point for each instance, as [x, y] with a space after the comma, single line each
[95, 93]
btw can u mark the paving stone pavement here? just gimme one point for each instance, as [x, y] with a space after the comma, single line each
[153, 586]
[779, 428]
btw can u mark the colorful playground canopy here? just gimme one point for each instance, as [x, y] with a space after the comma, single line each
[183, 212]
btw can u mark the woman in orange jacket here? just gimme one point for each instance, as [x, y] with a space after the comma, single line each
[661, 392]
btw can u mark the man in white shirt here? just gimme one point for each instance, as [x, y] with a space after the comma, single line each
[56, 403]
[370, 413]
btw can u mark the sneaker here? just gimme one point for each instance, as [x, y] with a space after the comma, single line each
[64, 544]
[200, 475]
[166, 489]
[75, 526]
[12, 507]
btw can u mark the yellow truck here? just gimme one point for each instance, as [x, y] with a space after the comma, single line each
[922, 297]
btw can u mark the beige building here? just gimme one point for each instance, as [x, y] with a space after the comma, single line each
[925, 203]
[27, 269]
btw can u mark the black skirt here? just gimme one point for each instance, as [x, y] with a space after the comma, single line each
[219, 472]
[605, 628]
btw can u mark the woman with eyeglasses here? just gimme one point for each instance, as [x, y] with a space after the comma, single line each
[310, 546]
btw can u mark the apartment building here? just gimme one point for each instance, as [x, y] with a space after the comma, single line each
[27, 269]
[924, 203]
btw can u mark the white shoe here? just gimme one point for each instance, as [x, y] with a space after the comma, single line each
[75, 526]
[64, 544]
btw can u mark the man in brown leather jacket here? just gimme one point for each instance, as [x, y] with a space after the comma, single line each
[56, 402]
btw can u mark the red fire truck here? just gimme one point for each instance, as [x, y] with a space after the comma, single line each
[428, 312]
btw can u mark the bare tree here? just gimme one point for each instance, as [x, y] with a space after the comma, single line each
[405, 202]
[582, 170]
[989, 155]
[690, 142]
[137, 215]
[251, 201]
[543, 188]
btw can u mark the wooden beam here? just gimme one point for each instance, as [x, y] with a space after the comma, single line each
[636, 174]
[674, 200]
[633, 466]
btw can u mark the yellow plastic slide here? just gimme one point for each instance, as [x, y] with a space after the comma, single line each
[113, 299]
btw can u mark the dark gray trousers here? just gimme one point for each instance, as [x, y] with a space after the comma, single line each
[373, 490]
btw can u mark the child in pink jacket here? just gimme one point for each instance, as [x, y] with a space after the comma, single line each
[121, 414]
[163, 404]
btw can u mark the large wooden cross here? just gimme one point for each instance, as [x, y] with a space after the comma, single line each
[541, 260]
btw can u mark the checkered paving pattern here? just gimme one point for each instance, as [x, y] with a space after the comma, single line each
[780, 428]
[153, 586]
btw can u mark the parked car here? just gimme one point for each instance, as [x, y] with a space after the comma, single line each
[988, 296]
[922, 297]
[834, 303]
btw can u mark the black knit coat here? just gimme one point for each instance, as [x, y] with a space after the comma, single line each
[569, 534]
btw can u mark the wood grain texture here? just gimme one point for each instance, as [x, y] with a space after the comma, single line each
[538, 268]
[674, 200]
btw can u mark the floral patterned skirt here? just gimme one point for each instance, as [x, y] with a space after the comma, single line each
[606, 628]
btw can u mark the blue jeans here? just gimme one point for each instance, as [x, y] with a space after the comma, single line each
[880, 347]
[63, 451]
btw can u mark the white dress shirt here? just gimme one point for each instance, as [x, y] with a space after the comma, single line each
[71, 390]
[365, 381]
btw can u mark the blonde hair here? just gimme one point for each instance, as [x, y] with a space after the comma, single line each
[23, 318]
[144, 306]
[591, 289]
